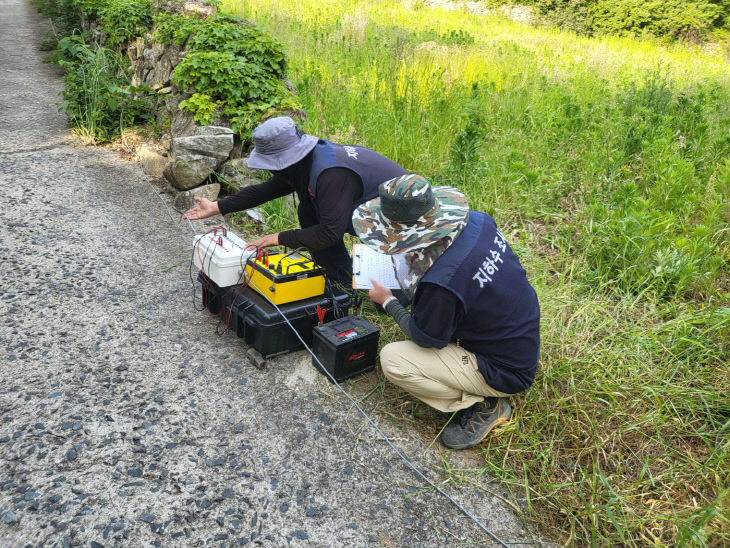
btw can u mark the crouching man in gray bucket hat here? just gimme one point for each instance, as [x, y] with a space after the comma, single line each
[474, 323]
[329, 179]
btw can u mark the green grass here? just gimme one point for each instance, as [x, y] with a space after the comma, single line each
[607, 165]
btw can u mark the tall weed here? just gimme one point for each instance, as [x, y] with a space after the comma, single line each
[98, 99]
[606, 164]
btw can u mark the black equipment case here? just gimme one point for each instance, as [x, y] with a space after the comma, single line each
[346, 347]
[213, 294]
[250, 316]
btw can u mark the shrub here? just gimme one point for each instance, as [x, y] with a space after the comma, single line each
[232, 69]
[662, 18]
[123, 20]
[99, 100]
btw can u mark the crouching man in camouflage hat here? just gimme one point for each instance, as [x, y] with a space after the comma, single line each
[474, 323]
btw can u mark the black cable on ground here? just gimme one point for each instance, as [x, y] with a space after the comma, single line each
[379, 431]
[362, 412]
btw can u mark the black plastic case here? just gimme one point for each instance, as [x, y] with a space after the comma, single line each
[250, 316]
[213, 294]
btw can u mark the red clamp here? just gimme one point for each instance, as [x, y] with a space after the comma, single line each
[320, 314]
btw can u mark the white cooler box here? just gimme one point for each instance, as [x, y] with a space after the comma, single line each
[222, 256]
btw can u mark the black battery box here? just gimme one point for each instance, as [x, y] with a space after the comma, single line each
[253, 318]
[346, 347]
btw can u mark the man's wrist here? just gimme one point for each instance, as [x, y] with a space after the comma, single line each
[389, 300]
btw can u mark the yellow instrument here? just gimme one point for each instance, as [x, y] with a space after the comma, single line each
[285, 277]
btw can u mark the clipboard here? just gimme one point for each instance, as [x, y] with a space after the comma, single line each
[385, 269]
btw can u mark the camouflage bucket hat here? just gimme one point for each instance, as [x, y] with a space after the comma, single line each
[410, 214]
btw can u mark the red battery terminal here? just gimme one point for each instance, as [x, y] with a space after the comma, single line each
[320, 314]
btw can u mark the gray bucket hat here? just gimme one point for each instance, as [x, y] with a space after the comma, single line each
[278, 144]
[410, 214]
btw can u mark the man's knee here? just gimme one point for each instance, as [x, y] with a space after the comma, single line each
[393, 363]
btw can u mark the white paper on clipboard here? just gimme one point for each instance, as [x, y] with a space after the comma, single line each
[368, 263]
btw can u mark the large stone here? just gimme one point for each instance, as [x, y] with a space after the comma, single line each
[182, 122]
[198, 9]
[237, 174]
[216, 146]
[154, 63]
[256, 216]
[153, 159]
[213, 130]
[187, 171]
[185, 200]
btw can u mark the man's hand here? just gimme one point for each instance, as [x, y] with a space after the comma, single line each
[379, 293]
[266, 241]
[203, 210]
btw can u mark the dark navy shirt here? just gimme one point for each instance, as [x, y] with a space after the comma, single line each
[488, 307]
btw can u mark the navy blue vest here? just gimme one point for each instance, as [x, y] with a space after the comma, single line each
[368, 165]
[501, 324]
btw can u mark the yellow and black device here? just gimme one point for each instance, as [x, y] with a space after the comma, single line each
[285, 277]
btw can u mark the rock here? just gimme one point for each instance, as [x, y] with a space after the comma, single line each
[147, 518]
[184, 200]
[182, 122]
[152, 159]
[255, 358]
[195, 157]
[215, 145]
[256, 216]
[237, 174]
[134, 49]
[188, 171]
[213, 130]
[198, 9]
[166, 142]
[154, 63]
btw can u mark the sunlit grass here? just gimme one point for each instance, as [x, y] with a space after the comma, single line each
[606, 164]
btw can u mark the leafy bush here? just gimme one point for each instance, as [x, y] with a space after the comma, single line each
[222, 33]
[232, 68]
[66, 14]
[99, 100]
[123, 20]
[663, 18]
[672, 18]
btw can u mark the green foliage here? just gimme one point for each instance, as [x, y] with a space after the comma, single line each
[464, 157]
[659, 232]
[66, 15]
[225, 34]
[454, 37]
[663, 18]
[123, 20]
[99, 100]
[655, 17]
[607, 165]
[232, 68]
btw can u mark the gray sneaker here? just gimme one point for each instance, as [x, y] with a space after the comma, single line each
[471, 425]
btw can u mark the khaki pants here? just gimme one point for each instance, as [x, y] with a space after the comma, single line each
[446, 379]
